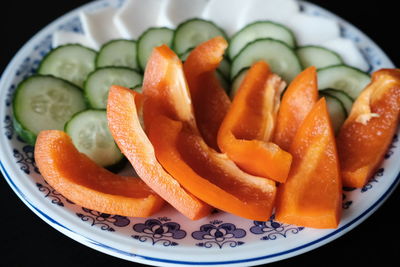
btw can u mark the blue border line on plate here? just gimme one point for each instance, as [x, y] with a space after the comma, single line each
[386, 194]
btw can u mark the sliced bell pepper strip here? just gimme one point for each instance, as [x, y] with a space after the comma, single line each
[312, 194]
[209, 175]
[248, 126]
[82, 181]
[297, 101]
[125, 127]
[368, 131]
[210, 100]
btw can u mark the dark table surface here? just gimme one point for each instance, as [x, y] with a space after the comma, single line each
[26, 240]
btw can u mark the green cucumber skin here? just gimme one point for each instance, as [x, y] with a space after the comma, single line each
[233, 75]
[140, 64]
[259, 22]
[342, 65]
[114, 167]
[85, 93]
[40, 68]
[25, 134]
[339, 58]
[173, 46]
[137, 68]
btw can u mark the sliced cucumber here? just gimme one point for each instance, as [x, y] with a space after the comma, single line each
[149, 39]
[280, 57]
[44, 103]
[193, 32]
[222, 80]
[317, 56]
[118, 53]
[260, 30]
[237, 81]
[225, 68]
[342, 77]
[185, 55]
[336, 110]
[70, 62]
[342, 96]
[90, 134]
[98, 83]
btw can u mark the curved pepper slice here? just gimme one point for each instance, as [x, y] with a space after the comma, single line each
[248, 126]
[312, 194]
[210, 100]
[297, 101]
[368, 131]
[125, 127]
[82, 181]
[209, 175]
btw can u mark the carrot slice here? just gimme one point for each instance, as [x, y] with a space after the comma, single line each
[248, 126]
[297, 101]
[210, 100]
[368, 131]
[126, 129]
[82, 181]
[312, 194]
[209, 175]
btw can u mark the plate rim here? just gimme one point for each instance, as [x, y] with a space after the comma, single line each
[152, 260]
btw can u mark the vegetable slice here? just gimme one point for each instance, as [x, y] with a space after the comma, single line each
[281, 58]
[70, 62]
[248, 126]
[317, 56]
[44, 102]
[312, 194]
[170, 121]
[260, 30]
[82, 181]
[297, 101]
[127, 131]
[210, 100]
[118, 53]
[369, 128]
[345, 78]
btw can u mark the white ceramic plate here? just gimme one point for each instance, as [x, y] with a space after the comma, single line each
[168, 238]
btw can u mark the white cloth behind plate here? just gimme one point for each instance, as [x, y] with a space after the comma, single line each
[64, 37]
[99, 27]
[136, 16]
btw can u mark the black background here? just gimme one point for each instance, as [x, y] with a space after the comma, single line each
[26, 240]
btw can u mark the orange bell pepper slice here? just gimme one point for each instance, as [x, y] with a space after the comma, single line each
[125, 127]
[368, 131]
[249, 124]
[312, 194]
[210, 100]
[82, 181]
[297, 101]
[179, 147]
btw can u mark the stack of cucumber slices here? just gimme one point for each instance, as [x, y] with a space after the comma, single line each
[69, 91]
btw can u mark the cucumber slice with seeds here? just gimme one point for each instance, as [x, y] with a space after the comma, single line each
[90, 134]
[70, 62]
[342, 96]
[151, 38]
[98, 83]
[342, 77]
[44, 103]
[337, 111]
[118, 53]
[280, 57]
[317, 56]
[260, 30]
[193, 32]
